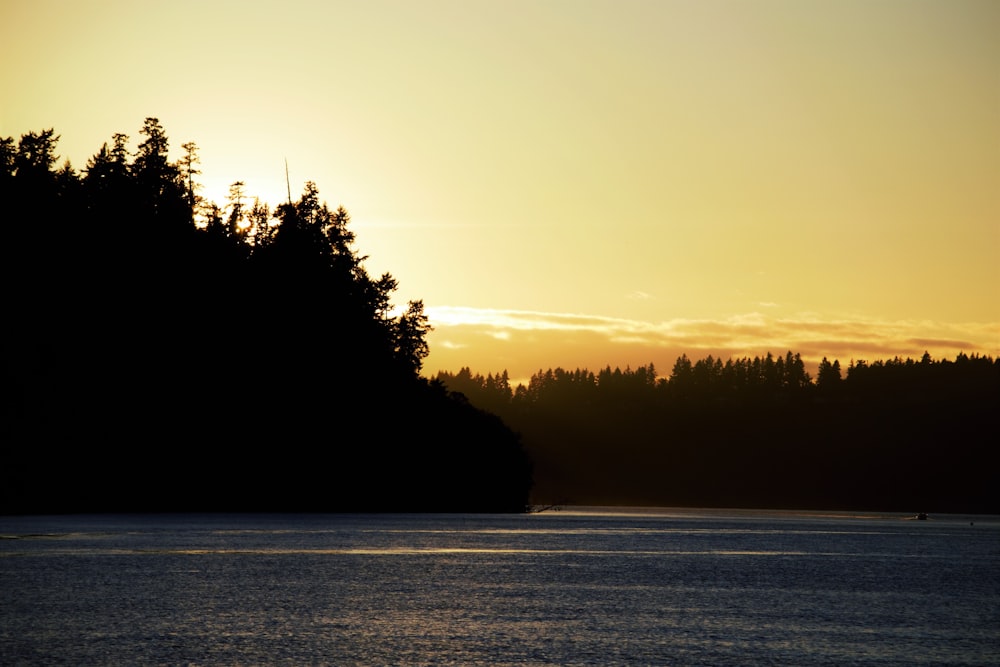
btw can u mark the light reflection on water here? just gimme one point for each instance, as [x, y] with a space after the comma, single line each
[562, 588]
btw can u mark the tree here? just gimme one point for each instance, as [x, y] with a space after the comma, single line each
[377, 295]
[260, 231]
[150, 165]
[8, 154]
[107, 178]
[161, 189]
[187, 166]
[681, 376]
[36, 154]
[235, 223]
[411, 337]
[828, 376]
[336, 231]
[796, 377]
[302, 229]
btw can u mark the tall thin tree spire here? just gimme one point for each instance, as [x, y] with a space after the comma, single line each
[288, 183]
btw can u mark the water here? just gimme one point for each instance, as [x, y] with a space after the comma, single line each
[557, 588]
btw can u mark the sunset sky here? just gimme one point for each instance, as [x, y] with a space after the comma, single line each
[583, 183]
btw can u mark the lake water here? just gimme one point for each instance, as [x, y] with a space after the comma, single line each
[667, 587]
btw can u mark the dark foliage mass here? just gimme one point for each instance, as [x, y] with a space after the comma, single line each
[898, 435]
[160, 353]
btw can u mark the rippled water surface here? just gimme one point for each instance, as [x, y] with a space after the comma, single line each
[667, 587]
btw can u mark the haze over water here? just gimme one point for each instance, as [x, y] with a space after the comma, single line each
[557, 588]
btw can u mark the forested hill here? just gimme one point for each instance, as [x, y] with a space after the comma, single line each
[897, 435]
[161, 353]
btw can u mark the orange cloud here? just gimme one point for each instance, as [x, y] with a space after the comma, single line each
[523, 342]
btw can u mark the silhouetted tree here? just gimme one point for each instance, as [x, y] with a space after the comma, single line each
[187, 168]
[8, 155]
[261, 231]
[36, 156]
[107, 176]
[410, 340]
[169, 347]
[234, 224]
[828, 375]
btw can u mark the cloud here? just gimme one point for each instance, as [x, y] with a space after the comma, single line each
[532, 339]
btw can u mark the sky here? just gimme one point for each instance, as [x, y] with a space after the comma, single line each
[582, 183]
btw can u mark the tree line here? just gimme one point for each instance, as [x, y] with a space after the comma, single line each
[898, 434]
[163, 353]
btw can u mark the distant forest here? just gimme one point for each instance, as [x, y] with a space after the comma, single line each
[897, 435]
[163, 353]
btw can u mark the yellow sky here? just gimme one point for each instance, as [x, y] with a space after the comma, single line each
[579, 182]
